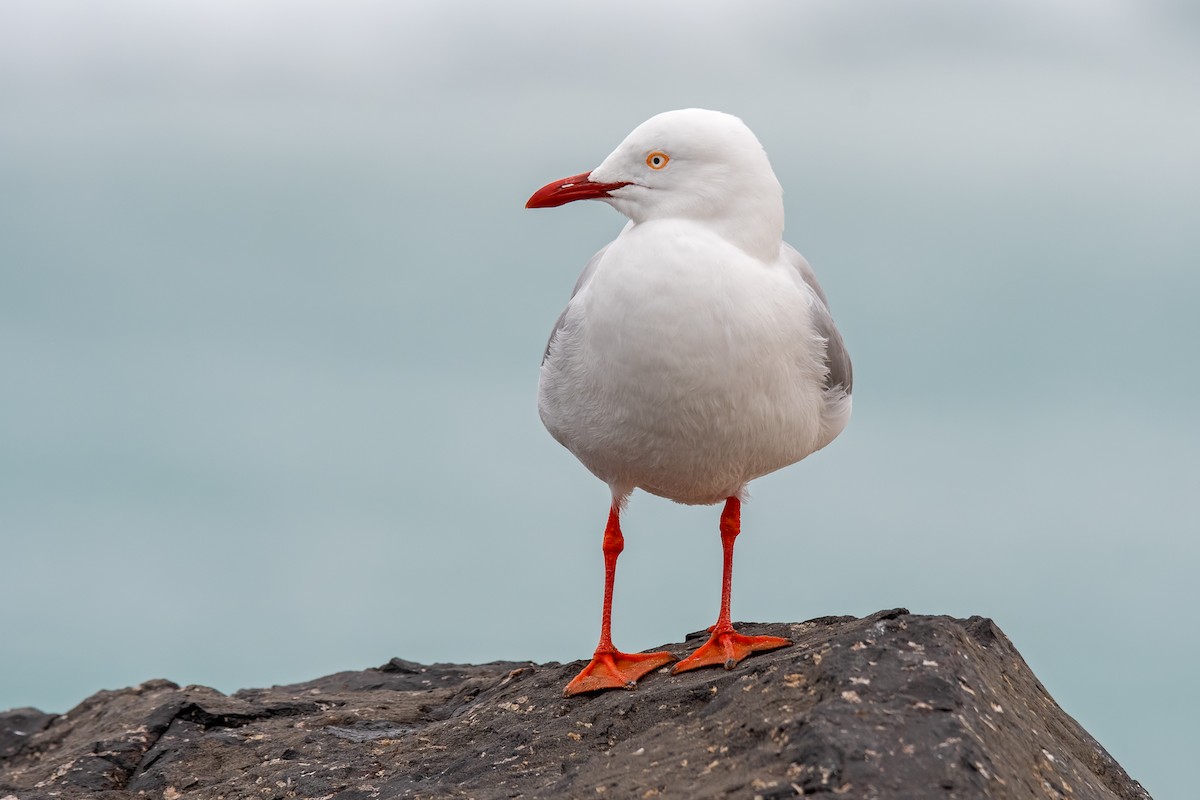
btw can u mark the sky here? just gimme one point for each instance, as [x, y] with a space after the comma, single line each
[271, 314]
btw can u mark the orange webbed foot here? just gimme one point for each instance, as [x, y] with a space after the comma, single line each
[726, 648]
[615, 670]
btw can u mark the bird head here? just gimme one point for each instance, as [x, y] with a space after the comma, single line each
[690, 164]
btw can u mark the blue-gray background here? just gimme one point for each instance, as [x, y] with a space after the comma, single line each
[271, 313]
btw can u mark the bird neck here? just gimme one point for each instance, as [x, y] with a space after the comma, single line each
[758, 230]
[746, 209]
[753, 223]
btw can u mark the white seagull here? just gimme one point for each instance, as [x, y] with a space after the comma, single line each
[697, 352]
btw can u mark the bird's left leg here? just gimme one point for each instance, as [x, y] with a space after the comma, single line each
[609, 667]
[726, 646]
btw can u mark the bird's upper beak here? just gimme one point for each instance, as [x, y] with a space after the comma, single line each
[567, 190]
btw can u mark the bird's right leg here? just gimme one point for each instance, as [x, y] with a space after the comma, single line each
[726, 647]
[610, 668]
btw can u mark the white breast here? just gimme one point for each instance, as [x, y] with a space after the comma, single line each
[685, 367]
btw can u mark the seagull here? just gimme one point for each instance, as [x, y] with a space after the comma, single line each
[696, 353]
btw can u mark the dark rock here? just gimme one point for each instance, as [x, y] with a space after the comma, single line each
[889, 706]
[17, 726]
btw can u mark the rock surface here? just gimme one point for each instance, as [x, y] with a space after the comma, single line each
[889, 706]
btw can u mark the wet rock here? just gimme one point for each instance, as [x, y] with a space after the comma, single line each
[888, 706]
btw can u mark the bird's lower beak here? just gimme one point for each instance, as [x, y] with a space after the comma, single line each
[567, 190]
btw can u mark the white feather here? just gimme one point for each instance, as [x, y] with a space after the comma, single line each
[688, 361]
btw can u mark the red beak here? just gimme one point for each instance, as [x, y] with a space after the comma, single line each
[567, 190]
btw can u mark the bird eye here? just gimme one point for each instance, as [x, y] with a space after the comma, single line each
[657, 160]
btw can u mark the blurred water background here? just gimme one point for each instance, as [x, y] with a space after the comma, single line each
[271, 314]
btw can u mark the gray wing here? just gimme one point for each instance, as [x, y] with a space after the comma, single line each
[584, 277]
[841, 371]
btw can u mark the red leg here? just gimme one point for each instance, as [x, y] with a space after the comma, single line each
[726, 646]
[610, 668]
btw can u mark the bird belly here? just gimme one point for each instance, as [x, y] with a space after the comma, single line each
[686, 380]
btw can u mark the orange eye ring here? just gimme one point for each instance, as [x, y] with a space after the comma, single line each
[657, 160]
